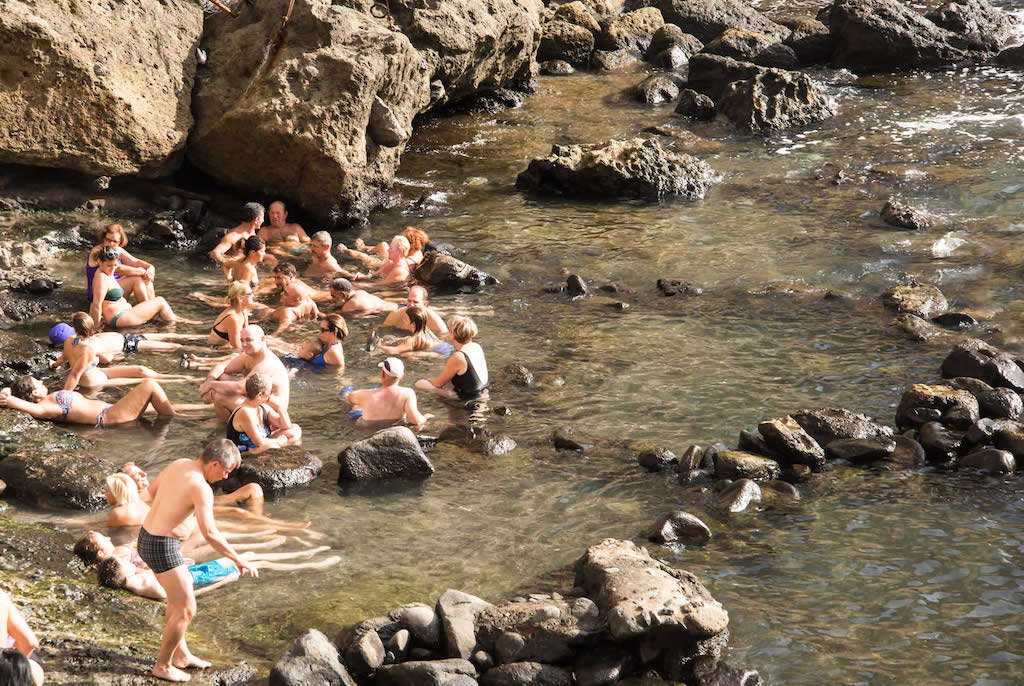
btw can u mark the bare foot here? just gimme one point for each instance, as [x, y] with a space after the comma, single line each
[171, 673]
[190, 661]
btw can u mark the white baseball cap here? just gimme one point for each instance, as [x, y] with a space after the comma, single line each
[393, 367]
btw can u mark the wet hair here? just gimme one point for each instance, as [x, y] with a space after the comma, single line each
[463, 328]
[417, 238]
[221, 450]
[110, 574]
[236, 290]
[24, 387]
[123, 489]
[257, 383]
[321, 237]
[87, 548]
[14, 669]
[109, 254]
[337, 324]
[286, 268]
[417, 317]
[83, 324]
[251, 211]
[342, 284]
[254, 243]
[402, 241]
[113, 228]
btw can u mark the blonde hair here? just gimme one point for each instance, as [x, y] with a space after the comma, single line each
[123, 489]
[403, 242]
[463, 328]
[236, 290]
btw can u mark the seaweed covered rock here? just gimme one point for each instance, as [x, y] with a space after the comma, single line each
[72, 102]
[639, 167]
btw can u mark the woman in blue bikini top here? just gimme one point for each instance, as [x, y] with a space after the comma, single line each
[333, 331]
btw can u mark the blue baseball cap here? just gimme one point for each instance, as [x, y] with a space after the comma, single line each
[60, 332]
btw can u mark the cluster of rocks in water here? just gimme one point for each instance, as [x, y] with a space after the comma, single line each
[628, 614]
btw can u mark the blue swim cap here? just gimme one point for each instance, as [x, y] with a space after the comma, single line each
[60, 332]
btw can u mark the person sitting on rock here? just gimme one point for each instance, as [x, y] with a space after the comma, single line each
[129, 510]
[225, 383]
[352, 300]
[297, 299]
[29, 395]
[230, 246]
[108, 302]
[118, 573]
[417, 297]
[244, 268]
[259, 424]
[390, 402]
[323, 262]
[395, 269]
[19, 636]
[281, 236]
[135, 276]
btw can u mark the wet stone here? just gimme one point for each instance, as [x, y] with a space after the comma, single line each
[828, 424]
[920, 402]
[990, 460]
[449, 672]
[780, 489]
[392, 452]
[695, 105]
[680, 526]
[980, 360]
[709, 671]
[276, 470]
[787, 438]
[651, 457]
[738, 496]
[861, 450]
[556, 68]
[940, 444]
[916, 328]
[903, 216]
[678, 287]
[696, 477]
[958, 321]
[601, 666]
[575, 286]
[924, 300]
[907, 451]
[527, 674]
[567, 438]
[733, 464]
[691, 459]
[753, 442]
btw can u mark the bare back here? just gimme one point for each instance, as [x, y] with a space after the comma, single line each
[175, 493]
[387, 403]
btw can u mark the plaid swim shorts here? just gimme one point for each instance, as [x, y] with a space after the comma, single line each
[161, 553]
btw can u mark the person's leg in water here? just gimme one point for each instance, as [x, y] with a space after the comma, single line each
[132, 405]
[138, 371]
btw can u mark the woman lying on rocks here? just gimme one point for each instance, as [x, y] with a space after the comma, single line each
[109, 303]
[84, 361]
[422, 338]
[259, 424]
[28, 394]
[466, 369]
[135, 276]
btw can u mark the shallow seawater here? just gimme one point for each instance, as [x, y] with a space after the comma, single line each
[876, 576]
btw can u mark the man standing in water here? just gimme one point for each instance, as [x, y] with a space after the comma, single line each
[183, 489]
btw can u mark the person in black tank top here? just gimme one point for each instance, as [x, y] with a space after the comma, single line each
[466, 368]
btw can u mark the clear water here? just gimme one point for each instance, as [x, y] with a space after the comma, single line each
[876, 576]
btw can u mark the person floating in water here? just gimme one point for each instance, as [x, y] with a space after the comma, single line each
[390, 402]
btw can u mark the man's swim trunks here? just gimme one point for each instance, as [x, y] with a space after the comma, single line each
[210, 573]
[161, 553]
[131, 342]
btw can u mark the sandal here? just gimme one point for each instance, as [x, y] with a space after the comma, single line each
[186, 360]
[372, 341]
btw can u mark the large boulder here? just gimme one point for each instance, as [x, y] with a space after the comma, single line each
[832, 423]
[879, 35]
[711, 74]
[579, 14]
[922, 403]
[311, 658]
[567, 42]
[977, 359]
[639, 167]
[277, 471]
[392, 452]
[633, 30]
[980, 25]
[774, 100]
[1011, 57]
[100, 88]
[441, 269]
[639, 596]
[426, 673]
[708, 19]
[751, 46]
[308, 101]
[812, 42]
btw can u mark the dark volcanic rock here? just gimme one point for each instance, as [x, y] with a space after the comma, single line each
[695, 105]
[707, 19]
[861, 450]
[712, 74]
[567, 438]
[671, 36]
[678, 287]
[735, 464]
[427, 673]
[991, 460]
[883, 35]
[1000, 403]
[775, 100]
[277, 470]
[944, 400]
[980, 360]
[709, 671]
[392, 452]
[812, 42]
[639, 167]
[615, 60]
[751, 46]
[680, 526]
[440, 269]
[786, 438]
[659, 88]
[902, 216]
[959, 321]
[939, 443]
[1011, 57]
[566, 42]
[556, 68]
[916, 328]
[981, 26]
[311, 658]
[50, 468]
[908, 452]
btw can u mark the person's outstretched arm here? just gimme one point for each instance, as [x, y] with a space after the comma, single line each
[202, 503]
[8, 400]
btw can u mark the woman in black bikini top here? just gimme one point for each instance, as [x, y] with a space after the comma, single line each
[227, 328]
[466, 368]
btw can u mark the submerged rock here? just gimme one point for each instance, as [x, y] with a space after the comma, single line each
[991, 460]
[923, 299]
[440, 269]
[680, 526]
[392, 452]
[639, 167]
[42, 467]
[695, 105]
[916, 328]
[70, 102]
[567, 438]
[895, 213]
[738, 496]
[977, 359]
[709, 671]
[659, 88]
[861, 450]
[670, 287]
